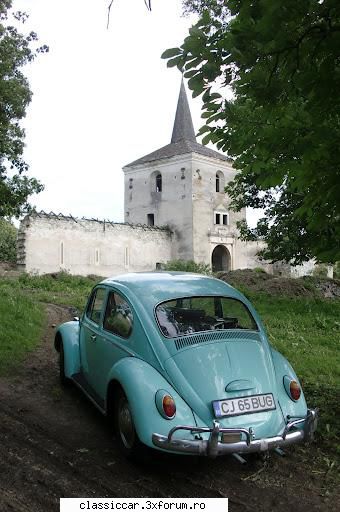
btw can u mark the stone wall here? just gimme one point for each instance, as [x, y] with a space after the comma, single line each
[51, 243]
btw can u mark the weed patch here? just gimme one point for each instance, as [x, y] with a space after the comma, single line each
[21, 323]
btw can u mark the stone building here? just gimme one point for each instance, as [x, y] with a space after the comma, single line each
[175, 208]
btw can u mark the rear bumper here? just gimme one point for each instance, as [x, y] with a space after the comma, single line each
[213, 446]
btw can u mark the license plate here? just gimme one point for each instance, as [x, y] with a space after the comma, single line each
[243, 405]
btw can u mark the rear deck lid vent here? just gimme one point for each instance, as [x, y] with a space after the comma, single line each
[203, 337]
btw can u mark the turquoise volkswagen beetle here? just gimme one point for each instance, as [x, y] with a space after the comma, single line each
[181, 363]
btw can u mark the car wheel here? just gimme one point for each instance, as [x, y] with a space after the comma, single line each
[127, 437]
[64, 381]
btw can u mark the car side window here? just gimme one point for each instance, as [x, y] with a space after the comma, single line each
[118, 316]
[95, 305]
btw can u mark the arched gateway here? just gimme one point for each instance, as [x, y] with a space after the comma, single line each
[220, 259]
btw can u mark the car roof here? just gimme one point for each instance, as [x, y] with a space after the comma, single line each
[155, 287]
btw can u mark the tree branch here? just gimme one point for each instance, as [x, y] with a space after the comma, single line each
[147, 3]
[108, 14]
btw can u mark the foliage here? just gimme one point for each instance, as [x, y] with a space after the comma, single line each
[282, 126]
[15, 52]
[8, 241]
[187, 266]
[215, 7]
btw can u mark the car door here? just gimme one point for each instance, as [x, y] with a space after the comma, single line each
[91, 331]
[112, 343]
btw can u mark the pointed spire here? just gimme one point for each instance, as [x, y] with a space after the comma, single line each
[183, 127]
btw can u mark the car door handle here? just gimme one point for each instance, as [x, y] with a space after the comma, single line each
[93, 337]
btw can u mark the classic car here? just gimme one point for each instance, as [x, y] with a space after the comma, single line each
[181, 363]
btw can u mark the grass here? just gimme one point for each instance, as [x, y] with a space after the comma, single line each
[62, 289]
[22, 313]
[307, 332]
[21, 323]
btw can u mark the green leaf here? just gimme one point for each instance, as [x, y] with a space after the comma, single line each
[173, 62]
[206, 139]
[203, 129]
[171, 52]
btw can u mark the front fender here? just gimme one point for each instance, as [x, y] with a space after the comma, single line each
[289, 407]
[140, 382]
[68, 333]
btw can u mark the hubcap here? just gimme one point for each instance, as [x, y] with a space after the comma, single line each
[126, 427]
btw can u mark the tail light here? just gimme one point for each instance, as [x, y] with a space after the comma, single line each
[169, 406]
[165, 404]
[292, 388]
[295, 390]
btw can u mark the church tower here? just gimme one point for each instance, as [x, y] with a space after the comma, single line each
[181, 186]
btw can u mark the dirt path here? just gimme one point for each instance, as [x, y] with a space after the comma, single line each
[54, 444]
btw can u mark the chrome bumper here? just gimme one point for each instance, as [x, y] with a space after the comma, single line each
[213, 447]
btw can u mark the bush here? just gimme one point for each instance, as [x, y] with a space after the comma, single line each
[187, 266]
[8, 241]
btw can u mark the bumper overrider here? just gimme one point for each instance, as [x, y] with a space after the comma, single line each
[214, 446]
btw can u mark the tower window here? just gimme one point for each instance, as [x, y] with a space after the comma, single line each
[159, 183]
[221, 218]
[219, 181]
[131, 183]
[151, 219]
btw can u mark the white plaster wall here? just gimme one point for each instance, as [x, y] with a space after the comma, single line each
[206, 234]
[121, 248]
[305, 269]
[171, 207]
[248, 258]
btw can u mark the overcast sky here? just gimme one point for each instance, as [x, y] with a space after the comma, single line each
[102, 97]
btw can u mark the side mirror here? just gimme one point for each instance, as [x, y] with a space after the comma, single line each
[76, 318]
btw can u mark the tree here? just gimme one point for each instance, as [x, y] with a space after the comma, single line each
[8, 241]
[282, 126]
[15, 52]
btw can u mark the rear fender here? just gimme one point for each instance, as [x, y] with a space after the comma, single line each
[288, 405]
[68, 334]
[140, 382]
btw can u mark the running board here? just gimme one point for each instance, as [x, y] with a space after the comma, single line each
[86, 388]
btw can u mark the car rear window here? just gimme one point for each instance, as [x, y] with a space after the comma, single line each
[196, 314]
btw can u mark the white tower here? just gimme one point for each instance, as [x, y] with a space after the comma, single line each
[182, 186]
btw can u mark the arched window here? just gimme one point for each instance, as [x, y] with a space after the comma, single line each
[159, 182]
[219, 181]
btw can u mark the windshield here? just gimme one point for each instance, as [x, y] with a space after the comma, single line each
[195, 314]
